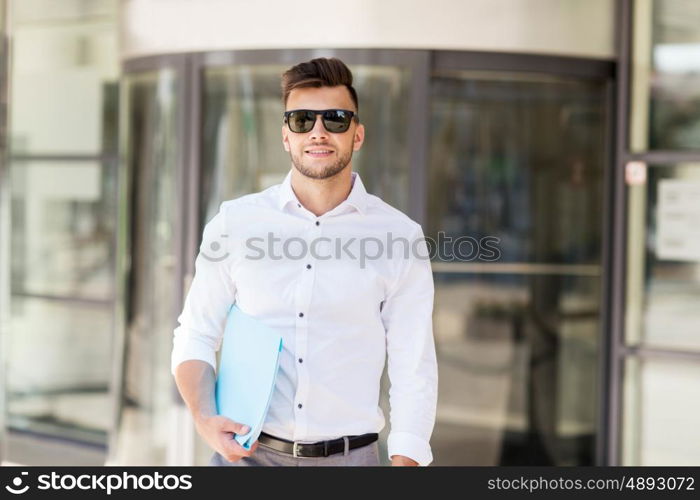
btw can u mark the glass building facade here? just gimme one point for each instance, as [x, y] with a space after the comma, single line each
[661, 348]
[61, 168]
[577, 346]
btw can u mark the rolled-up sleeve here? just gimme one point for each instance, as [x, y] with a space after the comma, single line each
[412, 365]
[212, 291]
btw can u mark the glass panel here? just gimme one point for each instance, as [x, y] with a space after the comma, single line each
[59, 363]
[662, 403]
[664, 258]
[63, 215]
[666, 75]
[242, 140]
[383, 161]
[62, 276]
[63, 229]
[64, 77]
[519, 159]
[151, 155]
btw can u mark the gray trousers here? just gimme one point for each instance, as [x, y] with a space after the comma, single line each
[263, 456]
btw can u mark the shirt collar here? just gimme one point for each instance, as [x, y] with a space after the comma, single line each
[357, 197]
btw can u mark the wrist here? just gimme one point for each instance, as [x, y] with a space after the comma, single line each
[201, 416]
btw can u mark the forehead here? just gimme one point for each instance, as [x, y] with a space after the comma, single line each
[320, 98]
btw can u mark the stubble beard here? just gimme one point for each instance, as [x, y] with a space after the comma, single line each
[326, 172]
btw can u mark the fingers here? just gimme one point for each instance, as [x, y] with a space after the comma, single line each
[231, 426]
[233, 451]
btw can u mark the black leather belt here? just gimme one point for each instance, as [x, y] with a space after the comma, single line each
[318, 449]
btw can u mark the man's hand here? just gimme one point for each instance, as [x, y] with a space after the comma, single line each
[196, 380]
[401, 461]
[218, 432]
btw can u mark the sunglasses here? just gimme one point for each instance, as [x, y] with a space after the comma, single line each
[336, 121]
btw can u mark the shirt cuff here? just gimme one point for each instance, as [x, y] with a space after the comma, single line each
[191, 348]
[411, 446]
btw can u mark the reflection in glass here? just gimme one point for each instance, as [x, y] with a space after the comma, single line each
[662, 403]
[146, 396]
[62, 254]
[664, 258]
[520, 159]
[63, 228]
[61, 142]
[59, 367]
[666, 83]
[64, 77]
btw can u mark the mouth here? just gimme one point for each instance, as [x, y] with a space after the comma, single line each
[319, 152]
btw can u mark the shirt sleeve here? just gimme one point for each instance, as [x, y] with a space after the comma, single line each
[211, 294]
[412, 365]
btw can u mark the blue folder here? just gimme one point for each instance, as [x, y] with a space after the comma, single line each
[247, 369]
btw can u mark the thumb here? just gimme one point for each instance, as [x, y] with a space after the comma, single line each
[235, 427]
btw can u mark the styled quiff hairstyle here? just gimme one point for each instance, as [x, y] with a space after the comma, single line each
[319, 72]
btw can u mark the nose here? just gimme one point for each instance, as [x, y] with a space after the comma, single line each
[319, 131]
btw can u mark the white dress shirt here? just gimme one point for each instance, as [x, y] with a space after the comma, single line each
[339, 315]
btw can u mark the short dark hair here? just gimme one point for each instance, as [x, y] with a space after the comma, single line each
[319, 72]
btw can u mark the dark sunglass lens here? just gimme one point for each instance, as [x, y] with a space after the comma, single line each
[301, 121]
[336, 121]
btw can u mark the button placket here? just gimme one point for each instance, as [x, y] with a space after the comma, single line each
[307, 270]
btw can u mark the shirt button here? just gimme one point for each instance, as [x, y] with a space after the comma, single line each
[299, 205]
[308, 266]
[301, 360]
[318, 223]
[299, 406]
[301, 315]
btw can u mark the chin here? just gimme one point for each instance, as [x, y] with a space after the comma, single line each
[314, 169]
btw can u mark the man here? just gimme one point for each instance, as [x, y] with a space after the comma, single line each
[343, 277]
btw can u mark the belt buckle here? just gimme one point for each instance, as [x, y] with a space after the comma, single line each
[295, 452]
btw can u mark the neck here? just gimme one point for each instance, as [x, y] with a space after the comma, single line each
[322, 195]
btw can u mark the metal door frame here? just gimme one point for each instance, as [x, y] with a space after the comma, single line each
[179, 64]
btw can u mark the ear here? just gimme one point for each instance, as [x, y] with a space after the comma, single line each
[359, 137]
[285, 138]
